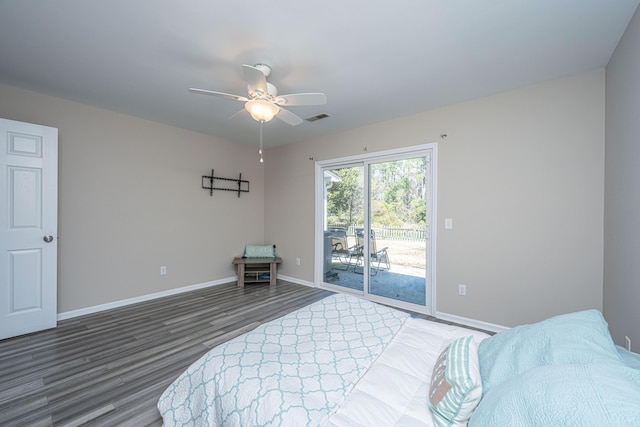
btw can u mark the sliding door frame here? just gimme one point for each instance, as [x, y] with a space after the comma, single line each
[431, 150]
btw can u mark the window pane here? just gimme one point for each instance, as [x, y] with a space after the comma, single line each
[344, 213]
[397, 249]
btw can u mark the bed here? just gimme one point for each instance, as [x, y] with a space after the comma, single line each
[344, 361]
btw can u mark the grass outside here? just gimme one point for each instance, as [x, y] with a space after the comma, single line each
[408, 253]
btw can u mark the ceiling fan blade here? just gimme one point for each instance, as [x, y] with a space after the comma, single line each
[288, 117]
[236, 113]
[256, 79]
[295, 99]
[220, 94]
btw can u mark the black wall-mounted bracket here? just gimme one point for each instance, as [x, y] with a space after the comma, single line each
[242, 185]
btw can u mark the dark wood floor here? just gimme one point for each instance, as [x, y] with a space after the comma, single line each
[110, 368]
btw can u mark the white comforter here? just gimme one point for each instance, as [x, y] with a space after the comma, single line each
[395, 390]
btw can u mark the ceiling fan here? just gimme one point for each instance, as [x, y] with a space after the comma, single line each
[262, 100]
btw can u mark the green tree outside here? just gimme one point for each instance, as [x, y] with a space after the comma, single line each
[397, 193]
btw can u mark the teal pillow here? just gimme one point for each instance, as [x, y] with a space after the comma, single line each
[259, 251]
[564, 395]
[576, 338]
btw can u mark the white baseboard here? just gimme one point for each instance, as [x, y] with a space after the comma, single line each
[470, 322]
[298, 281]
[122, 303]
[117, 304]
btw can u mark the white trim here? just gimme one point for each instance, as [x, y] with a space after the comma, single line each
[342, 289]
[470, 322]
[318, 240]
[433, 227]
[117, 304]
[298, 281]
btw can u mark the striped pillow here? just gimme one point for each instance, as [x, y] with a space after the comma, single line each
[456, 387]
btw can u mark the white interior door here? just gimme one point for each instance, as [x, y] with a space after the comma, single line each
[28, 227]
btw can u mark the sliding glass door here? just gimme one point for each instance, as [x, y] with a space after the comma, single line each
[375, 224]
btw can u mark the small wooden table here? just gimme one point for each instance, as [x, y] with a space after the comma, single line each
[257, 270]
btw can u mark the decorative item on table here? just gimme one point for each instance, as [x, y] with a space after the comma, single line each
[259, 251]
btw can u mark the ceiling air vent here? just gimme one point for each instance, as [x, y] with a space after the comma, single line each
[318, 117]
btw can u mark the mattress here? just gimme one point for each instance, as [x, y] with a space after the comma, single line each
[394, 391]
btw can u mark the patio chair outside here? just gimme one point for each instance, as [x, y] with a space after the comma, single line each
[340, 249]
[379, 259]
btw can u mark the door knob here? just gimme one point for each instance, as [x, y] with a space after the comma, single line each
[48, 238]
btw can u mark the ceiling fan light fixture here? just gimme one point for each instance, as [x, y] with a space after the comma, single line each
[261, 110]
[263, 102]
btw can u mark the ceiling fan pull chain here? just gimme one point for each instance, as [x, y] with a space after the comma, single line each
[261, 160]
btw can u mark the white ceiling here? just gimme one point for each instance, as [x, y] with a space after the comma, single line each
[375, 60]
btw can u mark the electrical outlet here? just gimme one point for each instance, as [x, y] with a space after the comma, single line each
[462, 289]
[163, 270]
[297, 261]
[627, 343]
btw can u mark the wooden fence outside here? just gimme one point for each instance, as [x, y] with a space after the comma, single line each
[388, 233]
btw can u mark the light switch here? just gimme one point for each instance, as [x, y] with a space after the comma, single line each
[448, 223]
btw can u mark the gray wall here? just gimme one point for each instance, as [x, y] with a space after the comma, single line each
[130, 201]
[521, 174]
[622, 189]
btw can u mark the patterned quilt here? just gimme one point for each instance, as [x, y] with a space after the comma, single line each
[292, 371]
